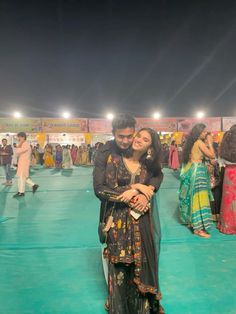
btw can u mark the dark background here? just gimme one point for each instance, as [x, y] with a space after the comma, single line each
[133, 56]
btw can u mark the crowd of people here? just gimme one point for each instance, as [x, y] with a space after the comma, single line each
[59, 156]
[21, 156]
[64, 156]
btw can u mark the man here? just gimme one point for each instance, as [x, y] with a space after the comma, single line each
[24, 159]
[123, 129]
[6, 153]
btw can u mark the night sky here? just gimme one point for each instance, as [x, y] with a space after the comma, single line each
[118, 55]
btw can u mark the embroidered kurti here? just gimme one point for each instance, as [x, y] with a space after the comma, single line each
[130, 241]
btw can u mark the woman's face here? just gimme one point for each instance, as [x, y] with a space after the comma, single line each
[142, 142]
[203, 134]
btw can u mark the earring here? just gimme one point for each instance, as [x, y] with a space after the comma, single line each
[149, 154]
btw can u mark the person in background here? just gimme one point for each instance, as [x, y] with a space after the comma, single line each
[66, 158]
[84, 157]
[74, 150]
[79, 156]
[48, 157]
[173, 160]
[227, 219]
[36, 154]
[180, 152]
[195, 190]
[58, 157]
[33, 156]
[93, 150]
[24, 158]
[14, 157]
[41, 154]
[165, 155]
[90, 152]
[6, 153]
[97, 146]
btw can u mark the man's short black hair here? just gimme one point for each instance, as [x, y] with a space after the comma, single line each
[123, 121]
[4, 139]
[22, 134]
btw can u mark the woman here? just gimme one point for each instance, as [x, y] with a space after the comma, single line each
[66, 158]
[173, 156]
[84, 156]
[58, 157]
[33, 156]
[78, 159]
[227, 220]
[74, 150]
[48, 157]
[133, 243]
[195, 191]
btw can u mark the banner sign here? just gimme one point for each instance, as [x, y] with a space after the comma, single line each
[77, 139]
[228, 122]
[100, 126]
[186, 124]
[104, 126]
[159, 125]
[64, 125]
[28, 125]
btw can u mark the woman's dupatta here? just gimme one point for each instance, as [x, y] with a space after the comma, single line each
[147, 278]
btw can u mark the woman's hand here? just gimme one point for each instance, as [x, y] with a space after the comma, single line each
[127, 196]
[213, 162]
[145, 190]
[139, 203]
[209, 139]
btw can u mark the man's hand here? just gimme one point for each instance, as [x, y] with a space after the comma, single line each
[148, 191]
[140, 203]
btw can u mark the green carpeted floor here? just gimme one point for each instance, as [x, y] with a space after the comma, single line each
[50, 258]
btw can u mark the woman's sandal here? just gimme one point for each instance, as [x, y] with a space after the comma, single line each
[201, 234]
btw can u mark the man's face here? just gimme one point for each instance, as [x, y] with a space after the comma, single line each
[20, 139]
[124, 137]
[4, 142]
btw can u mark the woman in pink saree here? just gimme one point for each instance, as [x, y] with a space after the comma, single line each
[74, 151]
[173, 156]
[227, 221]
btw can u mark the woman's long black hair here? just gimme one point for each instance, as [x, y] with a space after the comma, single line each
[153, 163]
[228, 145]
[191, 139]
